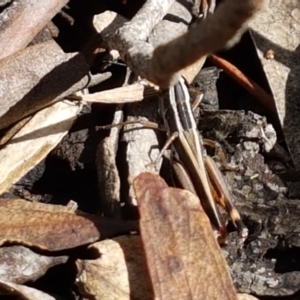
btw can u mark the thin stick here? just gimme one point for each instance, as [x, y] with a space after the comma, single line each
[250, 85]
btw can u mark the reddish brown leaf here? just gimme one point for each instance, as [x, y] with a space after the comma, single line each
[183, 256]
[53, 227]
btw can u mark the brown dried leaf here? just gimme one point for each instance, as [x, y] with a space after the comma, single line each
[120, 273]
[52, 227]
[19, 264]
[23, 292]
[183, 256]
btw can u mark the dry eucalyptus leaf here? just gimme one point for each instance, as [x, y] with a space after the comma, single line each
[19, 264]
[54, 229]
[34, 141]
[276, 34]
[120, 272]
[183, 256]
[23, 292]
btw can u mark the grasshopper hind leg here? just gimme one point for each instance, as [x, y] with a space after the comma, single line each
[223, 196]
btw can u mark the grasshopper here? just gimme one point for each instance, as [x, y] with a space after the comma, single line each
[195, 170]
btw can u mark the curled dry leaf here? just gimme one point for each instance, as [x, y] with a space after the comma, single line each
[53, 228]
[23, 292]
[19, 264]
[120, 272]
[183, 256]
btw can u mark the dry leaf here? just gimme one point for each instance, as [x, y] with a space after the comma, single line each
[23, 292]
[52, 227]
[120, 273]
[34, 141]
[183, 256]
[19, 264]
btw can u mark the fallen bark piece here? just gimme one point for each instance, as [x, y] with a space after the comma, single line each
[23, 292]
[120, 272]
[183, 256]
[34, 141]
[22, 20]
[54, 229]
[19, 264]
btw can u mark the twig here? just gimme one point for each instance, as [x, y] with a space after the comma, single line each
[222, 29]
[250, 85]
[127, 94]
